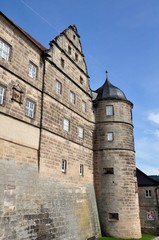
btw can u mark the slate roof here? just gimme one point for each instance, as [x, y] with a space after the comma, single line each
[144, 180]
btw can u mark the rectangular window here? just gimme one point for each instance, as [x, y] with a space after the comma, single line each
[81, 169]
[76, 56]
[110, 136]
[83, 106]
[81, 132]
[69, 50]
[4, 50]
[58, 87]
[62, 63]
[29, 109]
[72, 97]
[63, 166]
[108, 170]
[148, 193]
[66, 124]
[1, 95]
[109, 110]
[32, 71]
[113, 216]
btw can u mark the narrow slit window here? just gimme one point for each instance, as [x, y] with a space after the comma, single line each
[62, 63]
[63, 166]
[108, 170]
[81, 169]
[69, 50]
[83, 106]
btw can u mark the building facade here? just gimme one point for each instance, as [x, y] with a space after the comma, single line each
[67, 159]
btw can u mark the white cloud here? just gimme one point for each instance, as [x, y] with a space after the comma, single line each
[154, 117]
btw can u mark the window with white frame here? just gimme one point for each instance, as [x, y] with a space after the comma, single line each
[109, 110]
[63, 165]
[29, 108]
[32, 70]
[72, 97]
[58, 87]
[81, 169]
[110, 136]
[4, 50]
[1, 94]
[81, 132]
[148, 193]
[83, 106]
[66, 124]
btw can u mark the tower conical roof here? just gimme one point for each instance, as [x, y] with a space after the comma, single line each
[109, 91]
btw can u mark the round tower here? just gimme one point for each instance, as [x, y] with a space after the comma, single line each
[114, 164]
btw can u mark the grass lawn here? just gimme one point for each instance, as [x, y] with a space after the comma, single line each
[144, 237]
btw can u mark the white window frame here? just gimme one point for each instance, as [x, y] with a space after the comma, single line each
[109, 110]
[4, 50]
[58, 87]
[30, 108]
[66, 124]
[83, 106]
[110, 136]
[63, 165]
[72, 97]
[32, 70]
[2, 90]
[81, 170]
[81, 132]
[148, 193]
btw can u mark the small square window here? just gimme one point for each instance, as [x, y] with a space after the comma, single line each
[69, 50]
[108, 170]
[83, 106]
[72, 97]
[148, 193]
[109, 110]
[76, 57]
[81, 169]
[110, 136]
[1, 94]
[32, 71]
[4, 50]
[63, 166]
[58, 87]
[113, 216]
[62, 63]
[66, 124]
[29, 109]
[81, 132]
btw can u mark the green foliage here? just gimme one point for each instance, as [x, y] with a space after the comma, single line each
[144, 237]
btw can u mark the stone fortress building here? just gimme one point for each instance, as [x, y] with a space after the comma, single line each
[66, 152]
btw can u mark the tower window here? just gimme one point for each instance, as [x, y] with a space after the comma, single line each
[72, 97]
[113, 216]
[66, 124]
[80, 132]
[74, 36]
[148, 194]
[1, 94]
[63, 165]
[62, 63]
[29, 109]
[4, 50]
[58, 87]
[109, 110]
[110, 136]
[69, 50]
[32, 70]
[81, 80]
[83, 106]
[81, 169]
[108, 170]
[76, 56]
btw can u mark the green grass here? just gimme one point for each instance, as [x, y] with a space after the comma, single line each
[144, 237]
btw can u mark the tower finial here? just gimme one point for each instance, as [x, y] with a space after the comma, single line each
[106, 74]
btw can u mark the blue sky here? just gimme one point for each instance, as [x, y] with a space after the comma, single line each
[121, 36]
